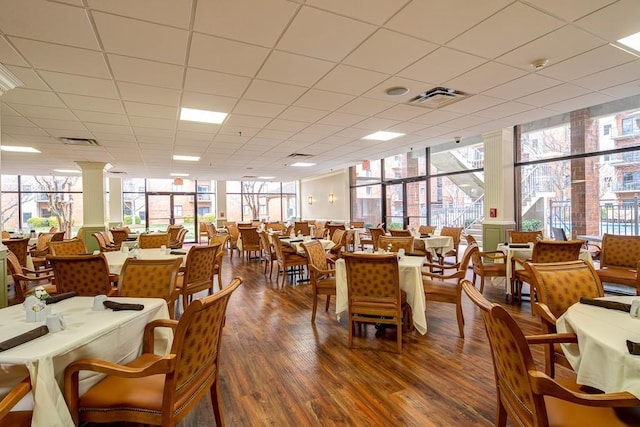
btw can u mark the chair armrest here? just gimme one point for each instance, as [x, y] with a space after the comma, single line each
[552, 339]
[441, 266]
[520, 260]
[162, 365]
[148, 339]
[14, 396]
[35, 278]
[545, 313]
[543, 385]
[456, 275]
[493, 255]
[318, 271]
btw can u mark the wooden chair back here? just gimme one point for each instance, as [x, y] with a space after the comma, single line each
[400, 233]
[199, 266]
[396, 243]
[86, 275]
[173, 230]
[68, 247]
[333, 227]
[620, 251]
[427, 229]
[119, 236]
[153, 240]
[179, 242]
[19, 248]
[17, 418]
[356, 224]
[301, 227]
[553, 251]
[524, 236]
[376, 232]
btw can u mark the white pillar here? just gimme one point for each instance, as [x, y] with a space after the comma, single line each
[93, 193]
[498, 186]
[115, 202]
[221, 202]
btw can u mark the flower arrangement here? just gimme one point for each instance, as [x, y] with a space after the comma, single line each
[35, 305]
[41, 293]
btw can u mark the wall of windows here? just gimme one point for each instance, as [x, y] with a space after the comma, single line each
[261, 200]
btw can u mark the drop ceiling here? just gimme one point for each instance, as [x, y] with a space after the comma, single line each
[295, 77]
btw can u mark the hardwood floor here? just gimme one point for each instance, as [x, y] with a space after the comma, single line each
[278, 369]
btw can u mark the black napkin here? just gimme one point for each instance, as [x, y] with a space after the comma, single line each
[518, 245]
[424, 236]
[614, 305]
[296, 240]
[23, 338]
[178, 253]
[60, 297]
[412, 254]
[119, 306]
[634, 348]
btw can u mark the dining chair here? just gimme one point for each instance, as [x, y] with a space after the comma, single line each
[333, 227]
[119, 236]
[153, 389]
[543, 251]
[495, 265]
[400, 233]
[620, 260]
[557, 286]
[179, 241]
[339, 240]
[441, 287]
[376, 232]
[234, 235]
[394, 244]
[86, 275]
[151, 278]
[203, 231]
[68, 247]
[250, 242]
[275, 226]
[5, 235]
[173, 230]
[524, 236]
[222, 240]
[269, 253]
[426, 229]
[287, 259]
[301, 227]
[20, 418]
[153, 240]
[103, 242]
[455, 233]
[323, 280]
[198, 272]
[527, 396]
[26, 280]
[374, 294]
[19, 247]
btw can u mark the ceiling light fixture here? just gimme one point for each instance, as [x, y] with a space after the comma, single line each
[16, 149]
[539, 64]
[397, 91]
[302, 164]
[203, 116]
[186, 158]
[632, 41]
[67, 171]
[266, 177]
[383, 136]
[179, 174]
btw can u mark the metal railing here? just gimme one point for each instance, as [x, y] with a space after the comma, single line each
[616, 216]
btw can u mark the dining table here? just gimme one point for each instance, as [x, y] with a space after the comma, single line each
[410, 271]
[115, 336]
[116, 259]
[437, 245]
[601, 358]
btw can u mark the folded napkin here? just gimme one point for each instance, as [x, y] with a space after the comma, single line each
[119, 306]
[518, 245]
[296, 240]
[634, 348]
[23, 338]
[614, 305]
[412, 254]
[178, 253]
[424, 236]
[60, 297]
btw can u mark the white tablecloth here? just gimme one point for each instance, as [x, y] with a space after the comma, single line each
[116, 259]
[600, 358]
[524, 253]
[437, 245]
[326, 245]
[108, 335]
[410, 281]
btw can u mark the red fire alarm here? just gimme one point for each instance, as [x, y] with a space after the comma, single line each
[493, 212]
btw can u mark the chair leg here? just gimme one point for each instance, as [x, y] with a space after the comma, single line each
[326, 307]
[481, 284]
[220, 278]
[216, 402]
[399, 335]
[185, 301]
[460, 316]
[315, 306]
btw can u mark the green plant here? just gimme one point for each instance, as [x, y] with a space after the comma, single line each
[187, 219]
[208, 217]
[35, 222]
[531, 225]
[127, 220]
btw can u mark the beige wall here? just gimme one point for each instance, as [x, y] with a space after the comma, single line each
[319, 188]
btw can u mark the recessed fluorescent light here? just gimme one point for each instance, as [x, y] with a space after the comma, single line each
[632, 41]
[205, 116]
[179, 174]
[187, 158]
[383, 136]
[16, 149]
[67, 170]
[302, 164]
[266, 177]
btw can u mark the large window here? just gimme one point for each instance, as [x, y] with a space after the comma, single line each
[261, 200]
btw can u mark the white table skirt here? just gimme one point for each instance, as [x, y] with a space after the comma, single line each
[108, 335]
[437, 245]
[116, 259]
[410, 269]
[600, 358]
[326, 245]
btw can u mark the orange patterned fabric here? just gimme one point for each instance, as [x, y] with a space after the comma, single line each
[553, 251]
[620, 251]
[68, 247]
[250, 239]
[85, 275]
[316, 254]
[524, 236]
[301, 226]
[373, 278]
[400, 233]
[427, 229]
[396, 243]
[19, 248]
[153, 240]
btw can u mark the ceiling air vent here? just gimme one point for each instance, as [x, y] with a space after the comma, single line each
[83, 142]
[117, 173]
[437, 97]
[296, 155]
[249, 177]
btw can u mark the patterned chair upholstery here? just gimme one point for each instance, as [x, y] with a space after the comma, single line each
[527, 396]
[524, 236]
[153, 240]
[234, 235]
[441, 287]
[374, 292]
[333, 227]
[172, 231]
[427, 229]
[119, 236]
[150, 278]
[301, 227]
[287, 259]
[339, 239]
[400, 233]
[25, 280]
[86, 275]
[41, 248]
[68, 248]
[104, 242]
[198, 272]
[489, 269]
[544, 251]
[269, 253]
[250, 242]
[179, 241]
[222, 240]
[166, 387]
[396, 243]
[19, 247]
[620, 260]
[323, 281]
[18, 418]
[456, 234]
[558, 286]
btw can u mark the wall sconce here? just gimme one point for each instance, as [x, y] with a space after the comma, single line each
[310, 200]
[332, 198]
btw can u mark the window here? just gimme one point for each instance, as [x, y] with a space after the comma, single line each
[177, 210]
[628, 126]
[368, 191]
[606, 130]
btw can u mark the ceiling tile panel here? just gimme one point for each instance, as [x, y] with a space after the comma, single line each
[299, 70]
[341, 119]
[279, 93]
[287, 125]
[618, 20]
[81, 85]
[175, 13]
[579, 102]
[380, 52]
[208, 102]
[135, 70]
[99, 117]
[374, 11]
[351, 80]
[595, 60]
[215, 83]
[553, 95]
[8, 55]
[401, 112]
[230, 56]
[473, 104]
[28, 77]
[32, 97]
[441, 64]
[503, 110]
[523, 86]
[613, 76]
[258, 108]
[301, 114]
[150, 110]
[486, 76]
[366, 106]
[323, 100]
[148, 94]
[91, 103]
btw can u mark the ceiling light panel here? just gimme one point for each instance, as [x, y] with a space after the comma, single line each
[203, 116]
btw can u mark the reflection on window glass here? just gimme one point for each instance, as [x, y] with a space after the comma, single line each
[261, 200]
[366, 173]
[407, 165]
[366, 204]
[461, 202]
[445, 158]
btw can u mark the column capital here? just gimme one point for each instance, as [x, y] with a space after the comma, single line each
[91, 165]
